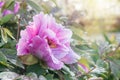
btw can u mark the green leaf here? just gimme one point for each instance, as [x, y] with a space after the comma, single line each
[49, 77]
[3, 60]
[8, 33]
[33, 5]
[2, 67]
[4, 35]
[83, 47]
[106, 38]
[2, 57]
[31, 74]
[41, 77]
[68, 70]
[16, 62]
[9, 3]
[115, 68]
[75, 36]
[2, 43]
[6, 18]
[36, 68]
[68, 77]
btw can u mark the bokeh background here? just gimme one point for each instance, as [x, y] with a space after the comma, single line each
[96, 39]
[94, 16]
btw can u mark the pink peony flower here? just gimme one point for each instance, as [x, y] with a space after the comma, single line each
[48, 41]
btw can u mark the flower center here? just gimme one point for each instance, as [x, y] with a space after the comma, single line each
[51, 43]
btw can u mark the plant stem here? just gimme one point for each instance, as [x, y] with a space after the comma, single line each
[18, 29]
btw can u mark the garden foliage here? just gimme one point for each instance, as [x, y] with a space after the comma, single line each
[37, 43]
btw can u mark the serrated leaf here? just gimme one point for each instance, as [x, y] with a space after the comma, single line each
[4, 35]
[9, 33]
[6, 18]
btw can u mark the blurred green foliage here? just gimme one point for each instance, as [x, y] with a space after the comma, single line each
[100, 60]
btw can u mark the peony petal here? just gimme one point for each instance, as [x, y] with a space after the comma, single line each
[54, 63]
[22, 48]
[42, 50]
[24, 34]
[52, 24]
[48, 33]
[31, 31]
[71, 57]
[64, 35]
[60, 51]
[40, 22]
[37, 47]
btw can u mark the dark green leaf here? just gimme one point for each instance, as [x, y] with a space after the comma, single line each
[49, 77]
[2, 57]
[16, 62]
[2, 67]
[36, 68]
[3, 60]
